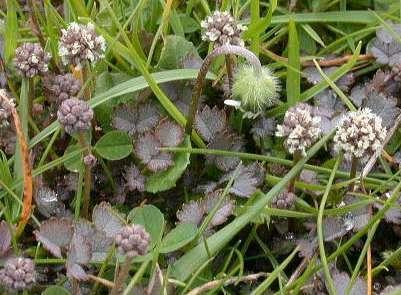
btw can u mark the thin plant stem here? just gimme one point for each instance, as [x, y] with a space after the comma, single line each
[87, 176]
[323, 258]
[122, 276]
[218, 51]
[352, 174]
[291, 185]
[230, 72]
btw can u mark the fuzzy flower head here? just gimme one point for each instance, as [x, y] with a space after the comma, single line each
[359, 134]
[18, 274]
[6, 106]
[255, 90]
[222, 28]
[79, 43]
[132, 240]
[61, 87]
[31, 60]
[300, 128]
[75, 115]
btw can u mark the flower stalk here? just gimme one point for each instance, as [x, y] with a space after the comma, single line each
[218, 51]
[87, 175]
[122, 276]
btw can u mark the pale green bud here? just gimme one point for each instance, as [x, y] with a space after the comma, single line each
[256, 89]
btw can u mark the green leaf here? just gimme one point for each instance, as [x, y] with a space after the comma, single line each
[354, 16]
[178, 237]
[75, 164]
[114, 145]
[193, 259]
[11, 34]
[293, 85]
[188, 23]
[312, 33]
[129, 86]
[79, 8]
[175, 49]
[165, 180]
[261, 25]
[56, 290]
[152, 220]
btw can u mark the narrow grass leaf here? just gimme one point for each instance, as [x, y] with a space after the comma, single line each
[293, 85]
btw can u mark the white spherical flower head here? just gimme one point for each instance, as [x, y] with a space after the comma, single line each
[79, 43]
[222, 28]
[359, 134]
[300, 129]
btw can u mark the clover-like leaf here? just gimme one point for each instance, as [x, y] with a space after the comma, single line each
[124, 119]
[248, 179]
[333, 228]
[180, 93]
[341, 281]
[169, 133]
[224, 211]
[385, 48]
[5, 239]
[146, 147]
[134, 180]
[225, 141]
[79, 253]
[313, 76]
[101, 245]
[358, 217]
[136, 119]
[263, 127]
[209, 122]
[307, 247]
[385, 107]
[191, 212]
[106, 219]
[55, 234]
[48, 203]
[148, 117]
[392, 215]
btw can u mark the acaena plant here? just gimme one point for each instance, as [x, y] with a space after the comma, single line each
[256, 87]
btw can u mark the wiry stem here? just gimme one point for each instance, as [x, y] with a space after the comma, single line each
[122, 276]
[87, 176]
[291, 185]
[230, 70]
[352, 174]
[197, 91]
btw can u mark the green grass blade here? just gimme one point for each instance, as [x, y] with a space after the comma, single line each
[354, 16]
[311, 92]
[195, 257]
[319, 226]
[293, 85]
[129, 86]
[79, 8]
[11, 32]
[262, 24]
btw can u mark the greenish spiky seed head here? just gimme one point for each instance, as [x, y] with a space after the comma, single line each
[255, 89]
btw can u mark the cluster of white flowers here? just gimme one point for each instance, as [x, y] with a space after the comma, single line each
[300, 128]
[79, 43]
[222, 28]
[31, 60]
[359, 134]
